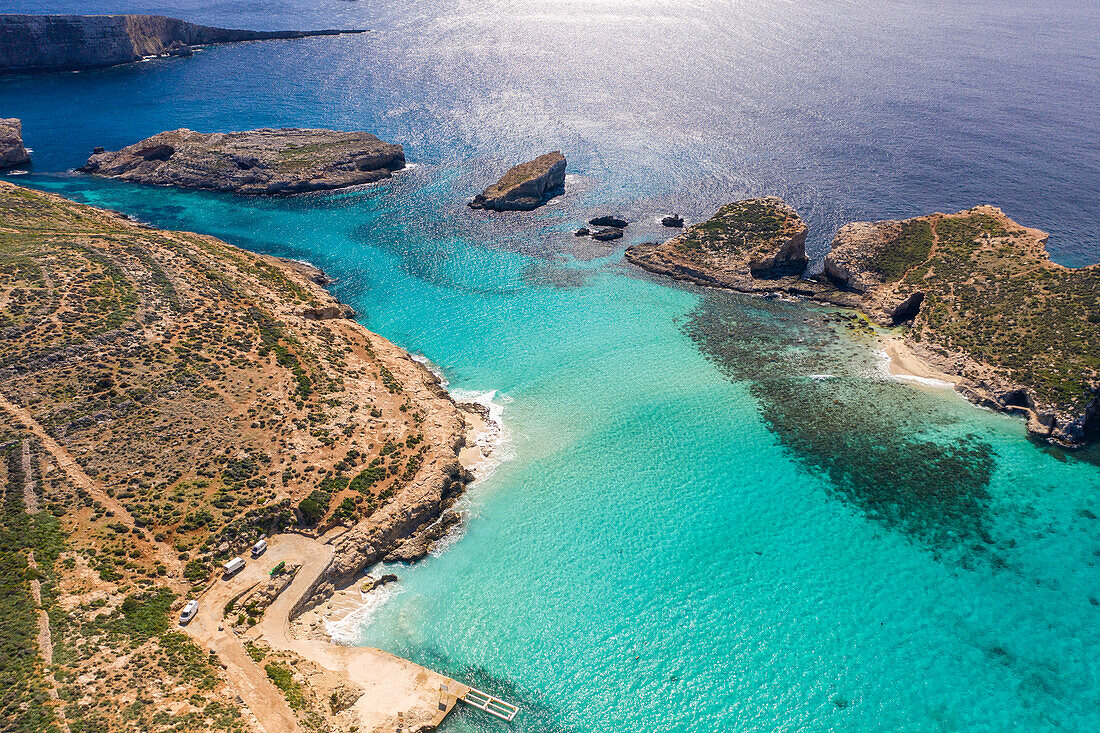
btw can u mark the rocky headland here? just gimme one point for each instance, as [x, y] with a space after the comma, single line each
[752, 246]
[265, 161]
[976, 294]
[526, 186]
[170, 399]
[71, 42]
[12, 152]
[981, 300]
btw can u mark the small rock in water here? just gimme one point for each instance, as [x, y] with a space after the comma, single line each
[609, 220]
[607, 234]
[582, 232]
[675, 220]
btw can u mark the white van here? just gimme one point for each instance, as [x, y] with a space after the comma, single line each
[259, 548]
[233, 567]
[189, 612]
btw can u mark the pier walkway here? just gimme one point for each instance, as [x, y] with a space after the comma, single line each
[488, 703]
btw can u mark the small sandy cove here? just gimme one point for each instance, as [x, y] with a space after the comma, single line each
[905, 364]
[394, 693]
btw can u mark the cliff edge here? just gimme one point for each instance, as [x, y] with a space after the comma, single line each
[69, 42]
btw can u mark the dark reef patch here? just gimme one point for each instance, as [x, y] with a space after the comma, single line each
[882, 445]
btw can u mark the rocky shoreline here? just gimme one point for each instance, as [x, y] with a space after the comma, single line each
[976, 293]
[74, 42]
[266, 161]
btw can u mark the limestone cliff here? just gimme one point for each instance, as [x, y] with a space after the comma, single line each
[755, 245]
[984, 302]
[66, 42]
[12, 152]
[526, 186]
[264, 161]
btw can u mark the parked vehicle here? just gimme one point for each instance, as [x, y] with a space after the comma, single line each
[233, 567]
[189, 612]
[259, 548]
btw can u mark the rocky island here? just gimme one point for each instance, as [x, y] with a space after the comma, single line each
[12, 152]
[975, 292]
[526, 186]
[265, 161]
[753, 246]
[983, 302]
[71, 42]
[168, 399]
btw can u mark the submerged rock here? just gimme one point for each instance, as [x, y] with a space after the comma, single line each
[12, 152]
[526, 186]
[264, 161]
[66, 42]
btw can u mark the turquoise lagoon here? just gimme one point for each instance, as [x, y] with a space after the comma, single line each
[716, 512]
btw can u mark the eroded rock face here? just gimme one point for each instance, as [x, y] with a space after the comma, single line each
[65, 42]
[265, 161]
[12, 152]
[526, 186]
[328, 312]
[755, 245]
[985, 303]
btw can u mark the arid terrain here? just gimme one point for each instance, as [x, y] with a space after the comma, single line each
[167, 399]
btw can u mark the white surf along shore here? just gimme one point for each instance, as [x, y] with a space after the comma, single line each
[488, 445]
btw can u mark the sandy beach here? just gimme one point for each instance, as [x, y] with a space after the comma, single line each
[904, 364]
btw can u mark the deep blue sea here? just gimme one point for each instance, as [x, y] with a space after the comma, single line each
[717, 512]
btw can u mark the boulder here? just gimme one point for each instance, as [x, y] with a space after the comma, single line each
[526, 186]
[674, 220]
[607, 234]
[609, 220]
[328, 312]
[12, 152]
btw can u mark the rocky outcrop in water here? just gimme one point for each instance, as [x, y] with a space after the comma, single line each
[984, 302]
[12, 152]
[526, 186]
[979, 297]
[755, 245]
[67, 42]
[264, 161]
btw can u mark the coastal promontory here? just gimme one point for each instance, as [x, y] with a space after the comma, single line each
[982, 301]
[167, 399]
[975, 294]
[755, 245]
[264, 161]
[12, 152]
[71, 42]
[525, 186]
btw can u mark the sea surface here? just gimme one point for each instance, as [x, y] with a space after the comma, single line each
[711, 512]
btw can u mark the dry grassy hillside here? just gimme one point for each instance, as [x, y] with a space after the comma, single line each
[176, 398]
